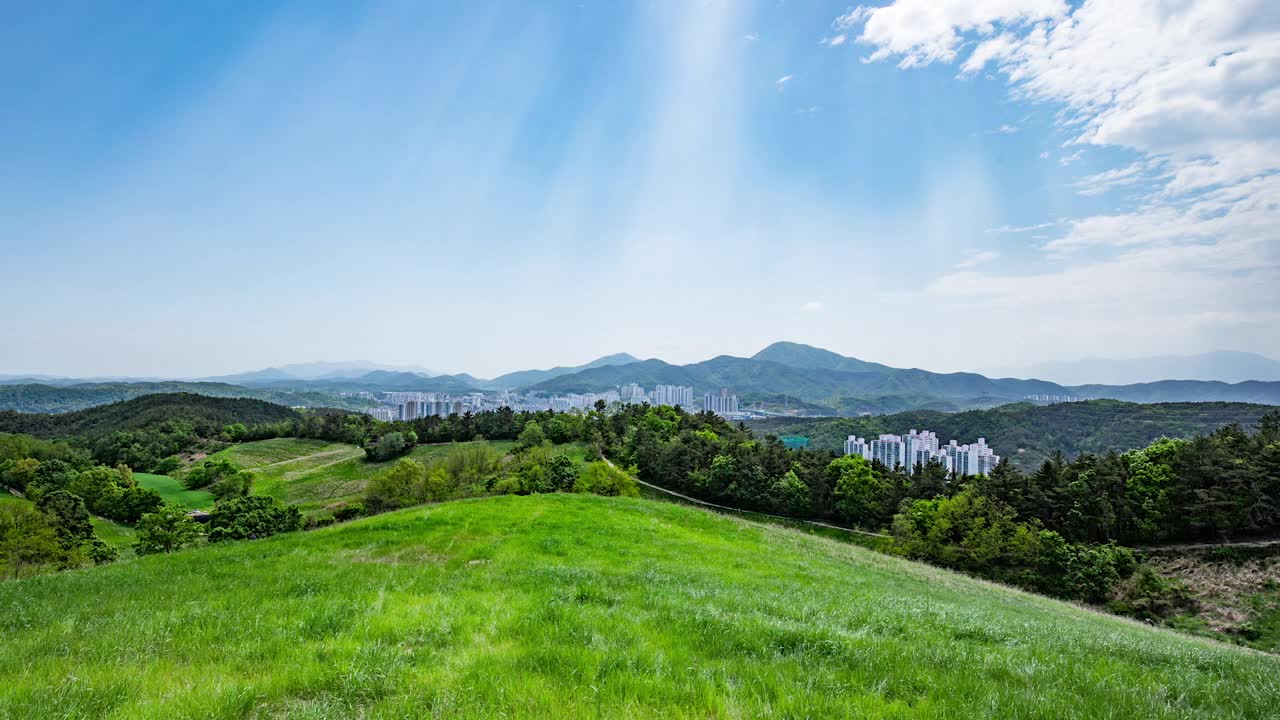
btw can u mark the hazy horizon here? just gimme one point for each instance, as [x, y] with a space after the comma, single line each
[196, 190]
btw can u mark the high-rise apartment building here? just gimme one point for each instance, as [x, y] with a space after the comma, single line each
[922, 448]
[672, 395]
[721, 403]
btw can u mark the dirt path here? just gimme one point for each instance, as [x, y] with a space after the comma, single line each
[1208, 546]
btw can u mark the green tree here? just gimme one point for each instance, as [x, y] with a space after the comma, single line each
[28, 538]
[563, 472]
[857, 490]
[209, 473]
[791, 495]
[399, 486]
[167, 529]
[21, 474]
[600, 478]
[233, 485]
[532, 435]
[69, 516]
[252, 517]
[388, 446]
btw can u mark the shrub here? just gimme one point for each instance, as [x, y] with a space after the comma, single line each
[209, 473]
[167, 466]
[232, 485]
[250, 517]
[562, 472]
[601, 478]
[1151, 596]
[350, 511]
[167, 529]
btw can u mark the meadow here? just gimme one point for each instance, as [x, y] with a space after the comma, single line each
[314, 474]
[574, 606]
[172, 490]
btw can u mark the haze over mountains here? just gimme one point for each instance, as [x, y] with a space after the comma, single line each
[1226, 366]
[788, 374]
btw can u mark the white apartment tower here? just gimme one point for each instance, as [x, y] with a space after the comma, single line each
[673, 395]
[721, 404]
[921, 448]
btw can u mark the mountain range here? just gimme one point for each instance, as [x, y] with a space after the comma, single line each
[782, 375]
[1222, 365]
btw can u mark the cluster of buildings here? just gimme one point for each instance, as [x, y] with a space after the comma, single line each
[1050, 399]
[922, 448]
[414, 405]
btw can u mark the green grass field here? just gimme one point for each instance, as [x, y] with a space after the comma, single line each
[570, 606]
[113, 533]
[314, 474]
[172, 490]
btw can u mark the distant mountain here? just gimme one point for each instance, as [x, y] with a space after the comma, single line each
[374, 381]
[810, 375]
[1224, 366]
[41, 398]
[749, 376]
[313, 371]
[807, 356]
[524, 378]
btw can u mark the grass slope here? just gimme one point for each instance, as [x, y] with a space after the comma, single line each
[172, 490]
[572, 606]
[314, 474]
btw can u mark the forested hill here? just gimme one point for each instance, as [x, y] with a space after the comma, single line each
[1027, 434]
[200, 411]
[40, 398]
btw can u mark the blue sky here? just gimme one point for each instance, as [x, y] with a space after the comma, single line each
[196, 188]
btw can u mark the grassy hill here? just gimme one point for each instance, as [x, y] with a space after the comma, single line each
[572, 606]
[315, 474]
[144, 411]
[1027, 434]
[172, 490]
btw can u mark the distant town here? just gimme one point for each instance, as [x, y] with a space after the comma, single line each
[922, 448]
[414, 405]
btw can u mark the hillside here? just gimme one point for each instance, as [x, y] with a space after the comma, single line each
[42, 398]
[572, 606]
[198, 410]
[1026, 434]
[314, 474]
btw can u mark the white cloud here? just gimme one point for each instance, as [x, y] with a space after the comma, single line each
[813, 306]
[1103, 182]
[1005, 129]
[782, 81]
[835, 40]
[809, 110]
[977, 257]
[1191, 87]
[925, 31]
[1023, 228]
[751, 37]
